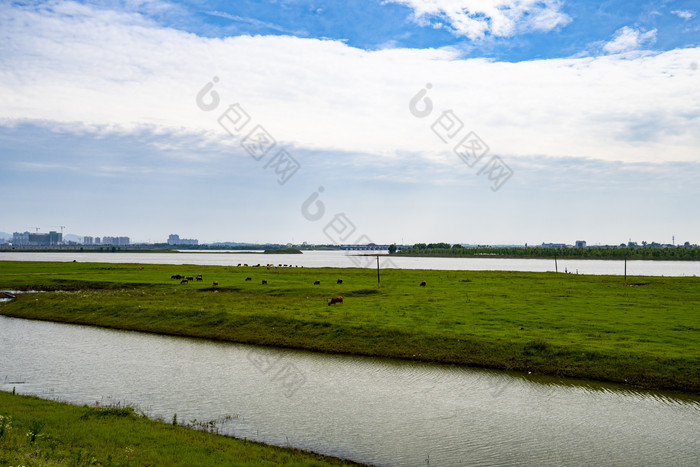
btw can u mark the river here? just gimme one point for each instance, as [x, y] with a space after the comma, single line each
[370, 410]
[351, 259]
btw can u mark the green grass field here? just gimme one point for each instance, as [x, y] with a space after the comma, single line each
[37, 432]
[644, 333]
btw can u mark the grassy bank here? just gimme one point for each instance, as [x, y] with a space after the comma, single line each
[39, 432]
[643, 333]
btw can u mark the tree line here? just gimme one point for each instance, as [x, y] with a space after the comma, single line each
[680, 253]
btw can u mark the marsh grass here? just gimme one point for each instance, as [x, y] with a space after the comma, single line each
[570, 325]
[39, 432]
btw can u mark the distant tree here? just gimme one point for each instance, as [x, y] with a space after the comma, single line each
[392, 249]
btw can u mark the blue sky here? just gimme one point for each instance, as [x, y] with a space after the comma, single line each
[547, 121]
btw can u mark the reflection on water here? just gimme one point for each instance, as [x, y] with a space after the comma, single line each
[342, 259]
[376, 411]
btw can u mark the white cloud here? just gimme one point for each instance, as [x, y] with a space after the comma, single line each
[119, 72]
[476, 19]
[627, 39]
[684, 14]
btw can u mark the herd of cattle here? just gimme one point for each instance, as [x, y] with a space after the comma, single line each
[331, 301]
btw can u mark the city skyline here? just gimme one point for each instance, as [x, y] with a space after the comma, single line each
[176, 239]
[409, 120]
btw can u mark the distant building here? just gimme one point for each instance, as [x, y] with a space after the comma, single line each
[174, 239]
[554, 245]
[37, 239]
[116, 241]
[88, 240]
[20, 238]
[580, 244]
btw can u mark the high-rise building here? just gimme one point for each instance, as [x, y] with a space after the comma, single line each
[37, 239]
[20, 238]
[174, 239]
[116, 241]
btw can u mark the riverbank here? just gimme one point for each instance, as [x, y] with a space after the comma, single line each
[643, 333]
[36, 431]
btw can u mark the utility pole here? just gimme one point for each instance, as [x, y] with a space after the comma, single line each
[378, 283]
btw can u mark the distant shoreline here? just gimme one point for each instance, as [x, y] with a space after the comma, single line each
[552, 258]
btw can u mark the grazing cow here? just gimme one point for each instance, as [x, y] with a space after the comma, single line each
[177, 276]
[422, 284]
[249, 278]
[264, 281]
[215, 284]
[339, 281]
[335, 300]
[317, 282]
[246, 264]
[140, 267]
[239, 264]
[199, 277]
[189, 278]
[183, 281]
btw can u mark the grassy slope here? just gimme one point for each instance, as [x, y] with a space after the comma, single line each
[76, 436]
[571, 325]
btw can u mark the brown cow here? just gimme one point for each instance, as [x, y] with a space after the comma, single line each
[189, 278]
[183, 281]
[317, 282]
[249, 278]
[199, 277]
[264, 281]
[215, 284]
[339, 281]
[177, 276]
[422, 284]
[335, 300]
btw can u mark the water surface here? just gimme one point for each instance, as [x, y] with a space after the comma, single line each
[376, 411]
[346, 259]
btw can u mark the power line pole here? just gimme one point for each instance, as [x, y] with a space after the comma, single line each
[378, 282]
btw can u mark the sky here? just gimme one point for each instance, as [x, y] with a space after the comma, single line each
[406, 121]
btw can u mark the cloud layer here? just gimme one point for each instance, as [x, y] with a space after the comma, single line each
[74, 64]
